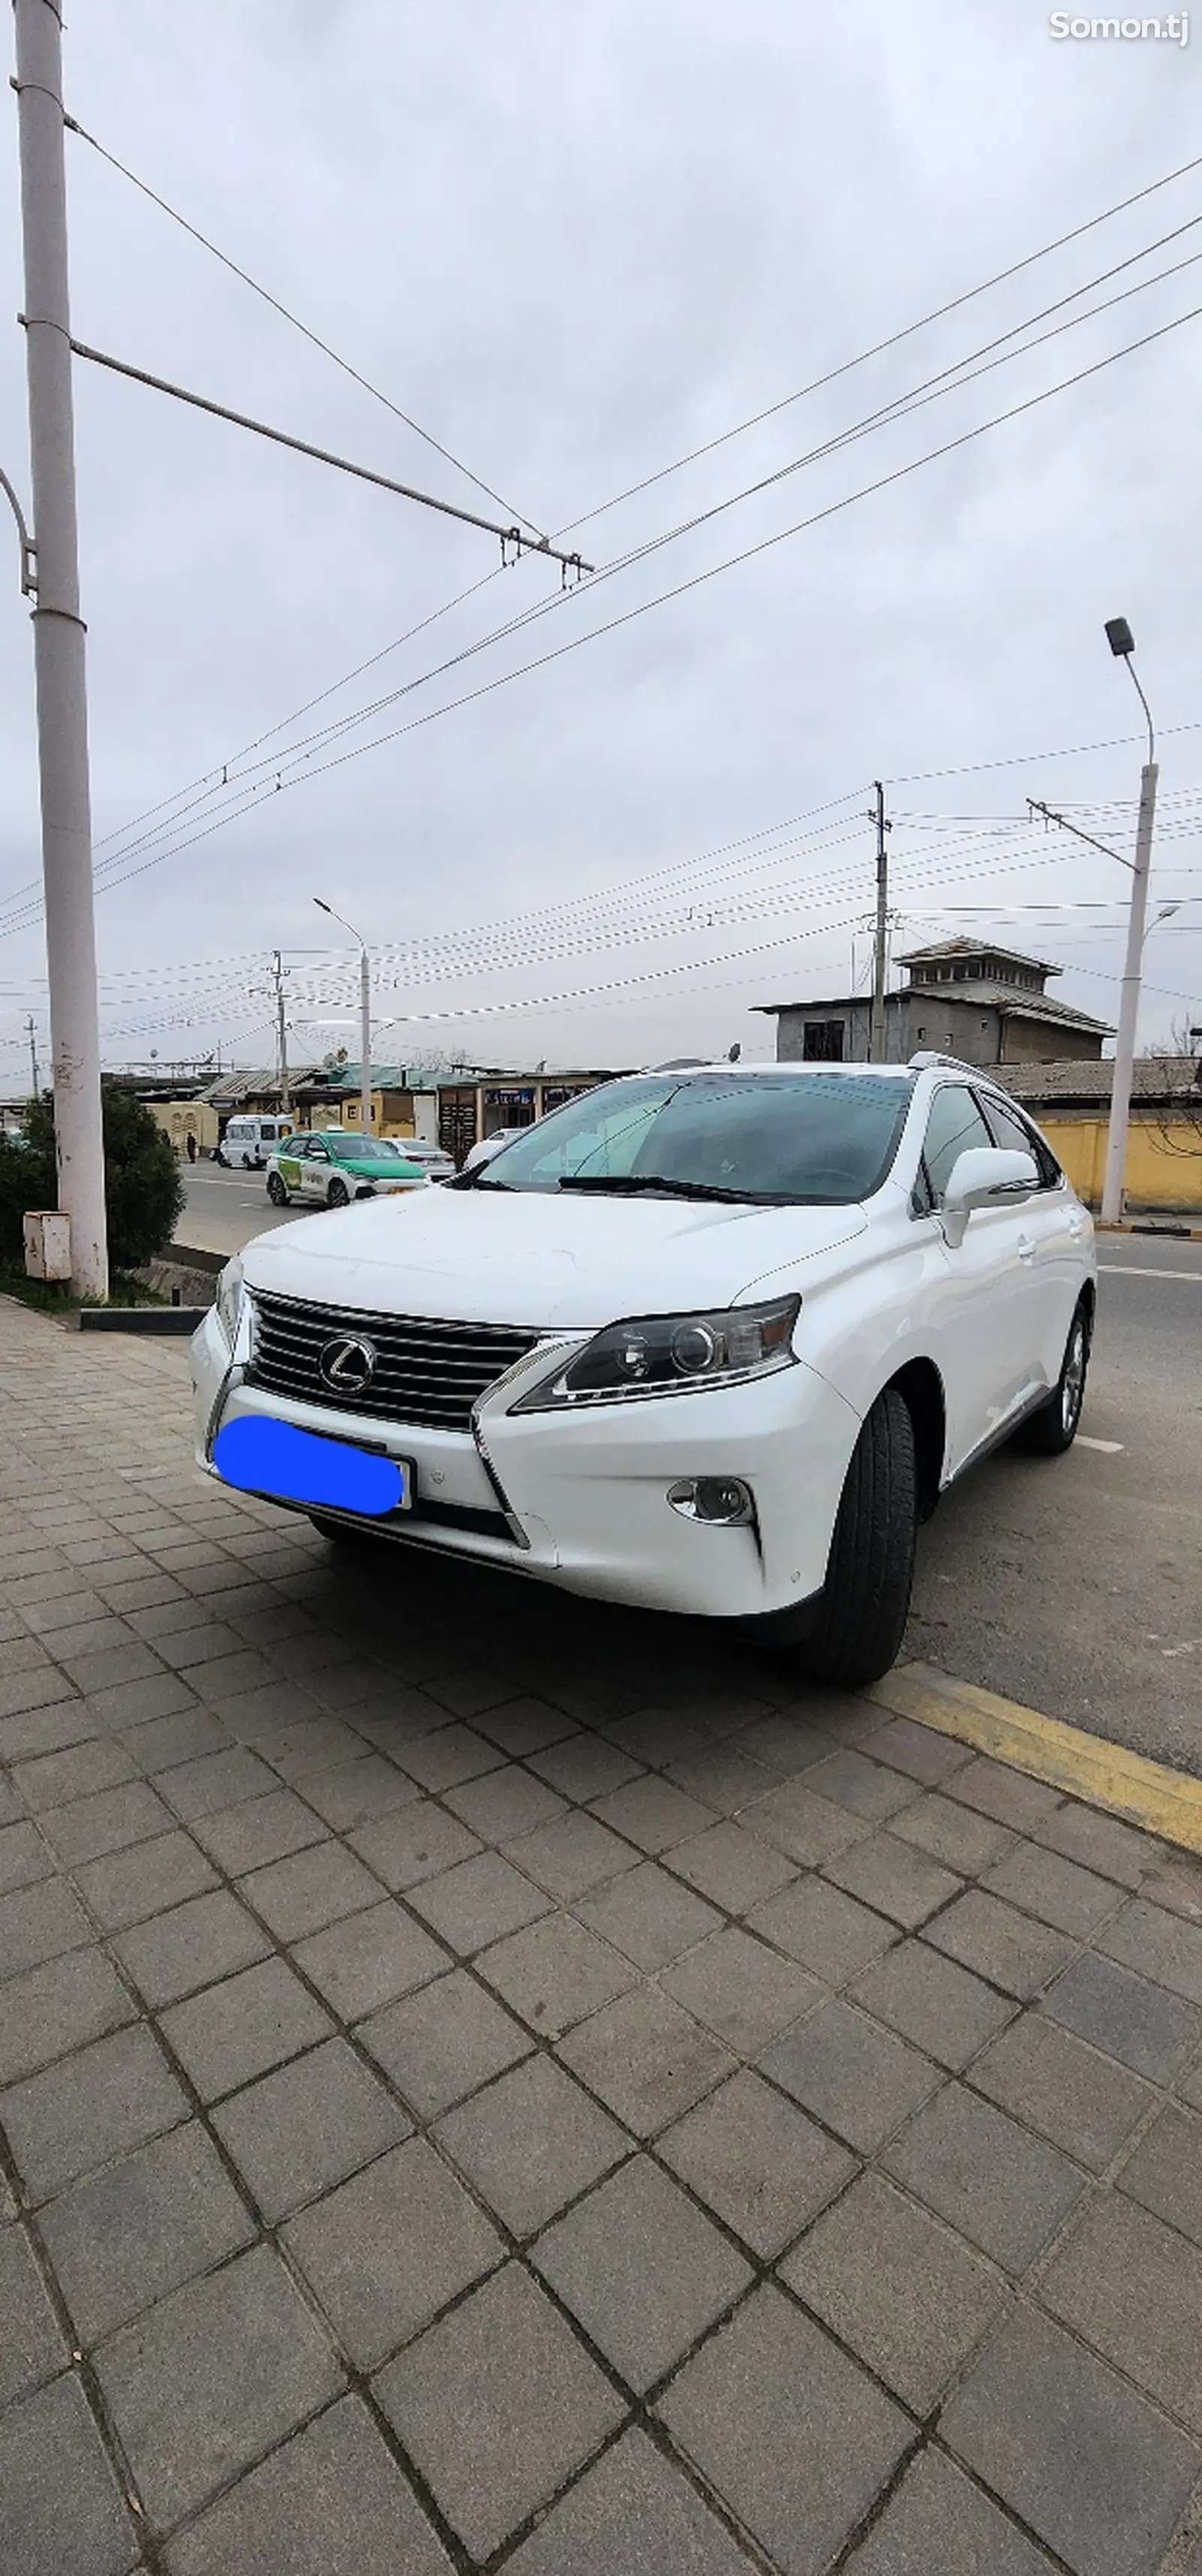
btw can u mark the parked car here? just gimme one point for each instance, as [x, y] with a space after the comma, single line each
[486, 1147]
[248, 1142]
[332, 1167]
[433, 1160]
[710, 1340]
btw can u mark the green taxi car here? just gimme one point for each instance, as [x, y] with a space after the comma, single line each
[332, 1167]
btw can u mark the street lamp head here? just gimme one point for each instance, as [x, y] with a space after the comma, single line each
[1119, 636]
[322, 907]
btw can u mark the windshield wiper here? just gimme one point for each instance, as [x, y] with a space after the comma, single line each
[630, 1183]
[477, 1181]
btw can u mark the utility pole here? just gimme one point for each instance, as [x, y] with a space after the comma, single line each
[281, 1019]
[1122, 645]
[876, 1029]
[33, 1055]
[364, 1044]
[364, 1014]
[59, 651]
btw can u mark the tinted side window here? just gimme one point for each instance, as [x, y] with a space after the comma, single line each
[955, 1126]
[1012, 1131]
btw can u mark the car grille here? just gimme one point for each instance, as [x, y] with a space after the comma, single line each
[428, 1373]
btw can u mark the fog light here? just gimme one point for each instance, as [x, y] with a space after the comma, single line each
[722, 1499]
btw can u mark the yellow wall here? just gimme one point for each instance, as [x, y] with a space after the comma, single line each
[176, 1117]
[346, 1114]
[1164, 1165]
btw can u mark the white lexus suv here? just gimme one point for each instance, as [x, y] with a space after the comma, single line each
[710, 1340]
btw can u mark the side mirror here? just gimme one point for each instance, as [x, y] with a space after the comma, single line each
[986, 1176]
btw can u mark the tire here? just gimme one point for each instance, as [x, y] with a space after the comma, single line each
[866, 1600]
[276, 1191]
[219, 1157]
[1053, 1429]
[337, 1194]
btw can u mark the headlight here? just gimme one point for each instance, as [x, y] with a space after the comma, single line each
[668, 1354]
[230, 1293]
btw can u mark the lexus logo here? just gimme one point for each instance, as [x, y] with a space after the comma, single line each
[347, 1364]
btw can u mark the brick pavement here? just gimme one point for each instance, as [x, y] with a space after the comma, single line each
[487, 2081]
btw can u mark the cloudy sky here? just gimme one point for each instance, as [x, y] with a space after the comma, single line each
[576, 246]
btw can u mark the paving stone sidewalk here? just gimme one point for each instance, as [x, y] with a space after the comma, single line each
[487, 2081]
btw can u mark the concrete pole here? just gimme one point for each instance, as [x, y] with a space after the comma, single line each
[1124, 1053]
[365, 1042]
[282, 1023]
[58, 634]
[876, 1027]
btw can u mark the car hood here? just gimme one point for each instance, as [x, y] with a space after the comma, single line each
[548, 1261]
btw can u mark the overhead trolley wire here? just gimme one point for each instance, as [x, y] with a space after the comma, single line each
[314, 337]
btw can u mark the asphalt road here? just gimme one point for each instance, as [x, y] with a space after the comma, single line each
[224, 1209]
[1071, 1584]
[1075, 1584]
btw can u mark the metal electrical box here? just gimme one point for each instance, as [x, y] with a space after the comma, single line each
[47, 1244]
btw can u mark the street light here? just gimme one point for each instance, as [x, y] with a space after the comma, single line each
[1122, 645]
[364, 1015]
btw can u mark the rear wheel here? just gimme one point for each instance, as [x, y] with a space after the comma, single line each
[866, 1600]
[276, 1191]
[1054, 1428]
[337, 1194]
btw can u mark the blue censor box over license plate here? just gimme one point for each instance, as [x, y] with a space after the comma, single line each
[262, 1456]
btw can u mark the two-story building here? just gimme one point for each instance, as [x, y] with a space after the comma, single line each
[964, 997]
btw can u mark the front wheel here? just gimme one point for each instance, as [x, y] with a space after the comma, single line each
[337, 1195]
[1053, 1429]
[866, 1599]
[276, 1191]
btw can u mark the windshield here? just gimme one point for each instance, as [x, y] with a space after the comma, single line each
[801, 1140]
[359, 1149]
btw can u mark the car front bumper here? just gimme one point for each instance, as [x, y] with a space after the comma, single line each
[580, 1499]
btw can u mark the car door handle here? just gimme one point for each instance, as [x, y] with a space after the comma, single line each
[1026, 1249]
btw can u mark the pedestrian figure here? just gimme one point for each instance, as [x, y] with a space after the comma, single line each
[191, 1145]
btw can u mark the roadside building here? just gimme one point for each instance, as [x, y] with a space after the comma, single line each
[481, 1100]
[404, 1098]
[180, 1119]
[1071, 1102]
[984, 1004]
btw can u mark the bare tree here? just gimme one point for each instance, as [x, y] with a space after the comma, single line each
[1175, 1101]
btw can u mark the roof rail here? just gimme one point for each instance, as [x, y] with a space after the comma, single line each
[927, 1056]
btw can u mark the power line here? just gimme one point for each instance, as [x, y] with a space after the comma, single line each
[909, 331]
[312, 336]
[748, 554]
[682, 589]
[818, 384]
[948, 380]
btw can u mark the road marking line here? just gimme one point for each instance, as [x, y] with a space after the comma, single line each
[1144, 1270]
[1163, 1801]
[1109, 1448]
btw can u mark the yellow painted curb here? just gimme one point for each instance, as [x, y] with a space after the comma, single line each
[1164, 1802]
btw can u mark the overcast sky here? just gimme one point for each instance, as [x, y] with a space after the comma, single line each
[575, 245]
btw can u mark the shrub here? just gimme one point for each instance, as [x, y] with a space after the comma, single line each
[144, 1191]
